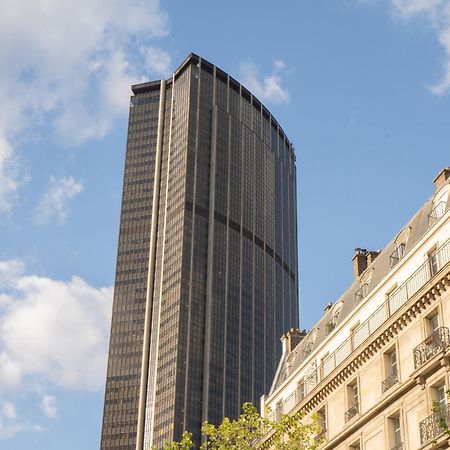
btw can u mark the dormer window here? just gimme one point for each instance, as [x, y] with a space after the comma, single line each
[439, 206]
[400, 246]
[310, 339]
[335, 312]
[397, 254]
[364, 289]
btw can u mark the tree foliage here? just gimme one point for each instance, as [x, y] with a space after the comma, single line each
[291, 432]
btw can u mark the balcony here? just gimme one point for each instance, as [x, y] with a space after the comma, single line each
[434, 425]
[390, 381]
[351, 412]
[436, 213]
[431, 346]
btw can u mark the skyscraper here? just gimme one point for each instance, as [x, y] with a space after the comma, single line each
[206, 278]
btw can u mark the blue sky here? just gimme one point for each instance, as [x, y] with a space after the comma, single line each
[360, 87]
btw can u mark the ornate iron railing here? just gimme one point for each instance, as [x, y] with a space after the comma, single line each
[431, 346]
[389, 381]
[434, 425]
[436, 213]
[394, 302]
[351, 412]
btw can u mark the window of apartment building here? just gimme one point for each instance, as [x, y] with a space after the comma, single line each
[395, 297]
[300, 392]
[439, 396]
[438, 206]
[279, 410]
[355, 445]
[395, 432]
[334, 316]
[437, 338]
[352, 400]
[400, 246]
[432, 323]
[433, 263]
[322, 365]
[397, 254]
[322, 419]
[354, 342]
[390, 367]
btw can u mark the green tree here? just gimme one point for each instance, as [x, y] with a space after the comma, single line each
[237, 434]
[292, 432]
[296, 432]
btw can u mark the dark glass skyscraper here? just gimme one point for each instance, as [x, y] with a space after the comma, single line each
[206, 279]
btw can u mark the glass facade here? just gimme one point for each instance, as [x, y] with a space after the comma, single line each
[224, 279]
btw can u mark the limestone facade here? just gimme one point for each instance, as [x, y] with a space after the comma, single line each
[376, 366]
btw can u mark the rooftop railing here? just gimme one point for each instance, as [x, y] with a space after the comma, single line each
[434, 425]
[394, 302]
[437, 341]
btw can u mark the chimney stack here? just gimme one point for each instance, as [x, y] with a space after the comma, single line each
[371, 255]
[359, 261]
[291, 339]
[441, 178]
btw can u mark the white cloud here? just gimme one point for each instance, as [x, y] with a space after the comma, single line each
[268, 88]
[54, 201]
[435, 14]
[8, 175]
[63, 64]
[158, 61]
[51, 332]
[9, 423]
[49, 407]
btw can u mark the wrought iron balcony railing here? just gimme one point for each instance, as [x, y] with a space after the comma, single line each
[351, 412]
[434, 425]
[432, 345]
[436, 213]
[389, 381]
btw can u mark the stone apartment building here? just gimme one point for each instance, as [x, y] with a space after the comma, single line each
[376, 366]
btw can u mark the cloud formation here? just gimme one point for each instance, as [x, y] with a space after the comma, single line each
[68, 65]
[63, 325]
[158, 61]
[9, 423]
[435, 14]
[268, 88]
[49, 407]
[54, 202]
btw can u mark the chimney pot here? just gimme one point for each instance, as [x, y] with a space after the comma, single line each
[371, 255]
[441, 178]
